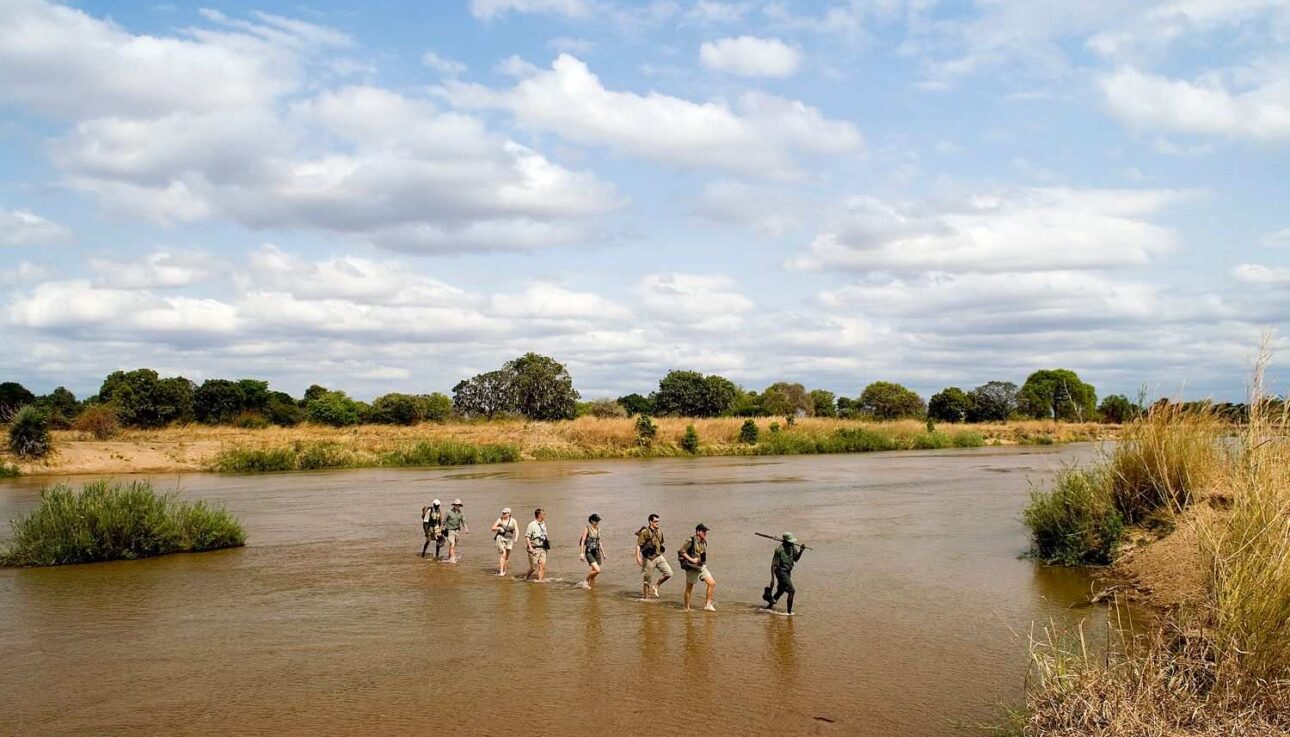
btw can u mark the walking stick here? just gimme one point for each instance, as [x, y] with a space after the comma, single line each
[781, 540]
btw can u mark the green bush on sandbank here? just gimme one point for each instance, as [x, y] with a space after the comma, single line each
[116, 521]
[312, 456]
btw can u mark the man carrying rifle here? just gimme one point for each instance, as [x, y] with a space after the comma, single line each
[781, 569]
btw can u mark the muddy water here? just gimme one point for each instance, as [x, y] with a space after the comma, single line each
[912, 612]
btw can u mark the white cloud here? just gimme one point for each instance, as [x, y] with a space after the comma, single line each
[159, 270]
[768, 212]
[1262, 275]
[26, 228]
[708, 11]
[707, 303]
[759, 134]
[1277, 239]
[1207, 106]
[749, 56]
[544, 300]
[1027, 230]
[446, 67]
[489, 9]
[102, 313]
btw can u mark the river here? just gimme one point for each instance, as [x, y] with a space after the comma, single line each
[912, 611]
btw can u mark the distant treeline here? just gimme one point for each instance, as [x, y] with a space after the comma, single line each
[540, 388]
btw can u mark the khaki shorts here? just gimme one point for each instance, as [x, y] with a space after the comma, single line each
[451, 536]
[537, 557]
[504, 545]
[658, 562]
[693, 575]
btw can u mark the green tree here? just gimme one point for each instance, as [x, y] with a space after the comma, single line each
[1119, 409]
[691, 394]
[824, 403]
[435, 407]
[747, 404]
[748, 432]
[886, 400]
[720, 395]
[315, 391]
[13, 396]
[848, 407]
[283, 410]
[646, 431]
[542, 388]
[395, 409]
[993, 401]
[485, 395]
[143, 399]
[1057, 394]
[29, 432]
[62, 407]
[949, 405]
[690, 440]
[333, 408]
[787, 400]
[255, 394]
[605, 408]
[218, 401]
[636, 404]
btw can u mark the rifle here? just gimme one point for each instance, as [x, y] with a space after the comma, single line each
[781, 540]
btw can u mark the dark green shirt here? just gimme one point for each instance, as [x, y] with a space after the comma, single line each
[784, 559]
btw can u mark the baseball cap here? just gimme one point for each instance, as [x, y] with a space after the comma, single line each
[435, 503]
[594, 517]
[506, 510]
[788, 536]
[700, 527]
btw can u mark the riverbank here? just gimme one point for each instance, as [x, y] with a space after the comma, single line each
[194, 448]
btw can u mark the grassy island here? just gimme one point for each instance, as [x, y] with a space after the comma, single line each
[114, 521]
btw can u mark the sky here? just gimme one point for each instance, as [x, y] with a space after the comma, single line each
[396, 196]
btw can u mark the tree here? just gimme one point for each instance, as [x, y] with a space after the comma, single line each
[255, 394]
[949, 405]
[1057, 394]
[848, 407]
[636, 404]
[333, 408]
[13, 396]
[484, 395]
[889, 401]
[748, 432]
[1118, 409]
[62, 407]
[993, 401]
[29, 433]
[747, 404]
[690, 441]
[605, 408]
[435, 407]
[315, 391]
[542, 388]
[691, 394]
[646, 431]
[143, 399]
[823, 403]
[283, 411]
[218, 401]
[395, 409]
[787, 400]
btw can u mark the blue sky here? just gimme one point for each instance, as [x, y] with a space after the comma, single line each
[398, 196]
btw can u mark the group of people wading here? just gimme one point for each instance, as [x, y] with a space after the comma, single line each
[446, 528]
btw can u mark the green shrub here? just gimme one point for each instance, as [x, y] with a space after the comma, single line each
[29, 433]
[690, 441]
[284, 413]
[316, 456]
[1076, 523]
[9, 472]
[932, 440]
[605, 408]
[968, 439]
[333, 408]
[99, 421]
[396, 409]
[646, 431]
[748, 432]
[435, 407]
[250, 421]
[255, 460]
[113, 521]
[451, 453]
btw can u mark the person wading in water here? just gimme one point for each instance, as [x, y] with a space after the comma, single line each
[455, 525]
[505, 530]
[649, 556]
[592, 553]
[432, 525]
[693, 557]
[536, 540]
[781, 570]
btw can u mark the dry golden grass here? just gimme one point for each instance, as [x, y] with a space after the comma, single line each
[194, 447]
[1218, 662]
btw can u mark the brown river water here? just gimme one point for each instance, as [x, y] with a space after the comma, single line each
[912, 613]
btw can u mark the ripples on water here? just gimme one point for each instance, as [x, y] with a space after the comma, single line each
[912, 612]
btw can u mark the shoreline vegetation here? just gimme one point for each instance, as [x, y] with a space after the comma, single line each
[104, 521]
[1192, 518]
[196, 447]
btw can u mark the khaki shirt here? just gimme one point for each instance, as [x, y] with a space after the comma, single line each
[647, 536]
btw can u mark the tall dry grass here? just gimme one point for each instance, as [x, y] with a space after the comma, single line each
[1217, 665]
[1163, 458]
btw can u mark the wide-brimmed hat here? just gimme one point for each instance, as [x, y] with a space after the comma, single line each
[788, 537]
[456, 502]
[506, 510]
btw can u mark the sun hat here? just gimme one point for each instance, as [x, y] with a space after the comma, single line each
[506, 510]
[788, 537]
[456, 502]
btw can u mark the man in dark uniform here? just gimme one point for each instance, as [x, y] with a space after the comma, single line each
[781, 568]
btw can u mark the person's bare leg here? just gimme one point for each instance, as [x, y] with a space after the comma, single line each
[689, 588]
[660, 583]
[424, 548]
[712, 586]
[790, 601]
[591, 575]
[541, 571]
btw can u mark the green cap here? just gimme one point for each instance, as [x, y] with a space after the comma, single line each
[788, 537]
